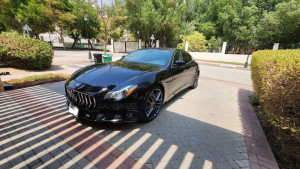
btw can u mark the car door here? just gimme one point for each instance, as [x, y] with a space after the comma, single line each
[189, 68]
[176, 80]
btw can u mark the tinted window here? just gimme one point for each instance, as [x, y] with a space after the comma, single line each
[149, 56]
[177, 56]
[186, 57]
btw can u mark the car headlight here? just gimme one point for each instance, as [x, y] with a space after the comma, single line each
[120, 94]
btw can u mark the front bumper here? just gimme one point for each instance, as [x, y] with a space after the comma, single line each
[122, 111]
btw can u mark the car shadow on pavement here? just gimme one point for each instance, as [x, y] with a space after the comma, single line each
[37, 131]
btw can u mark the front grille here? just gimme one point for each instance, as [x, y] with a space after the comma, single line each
[81, 98]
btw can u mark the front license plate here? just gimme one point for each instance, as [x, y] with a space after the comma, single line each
[73, 110]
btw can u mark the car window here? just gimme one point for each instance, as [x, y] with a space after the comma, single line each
[177, 56]
[186, 57]
[149, 56]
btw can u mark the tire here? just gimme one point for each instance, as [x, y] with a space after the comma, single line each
[195, 81]
[152, 104]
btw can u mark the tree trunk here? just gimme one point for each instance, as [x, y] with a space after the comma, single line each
[62, 38]
[1, 86]
[75, 40]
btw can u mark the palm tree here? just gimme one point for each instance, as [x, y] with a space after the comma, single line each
[188, 28]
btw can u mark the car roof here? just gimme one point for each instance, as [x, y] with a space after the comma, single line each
[163, 49]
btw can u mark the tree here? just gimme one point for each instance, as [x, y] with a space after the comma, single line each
[78, 29]
[215, 43]
[8, 12]
[116, 19]
[288, 14]
[282, 25]
[42, 15]
[157, 17]
[187, 28]
[208, 29]
[104, 20]
[268, 29]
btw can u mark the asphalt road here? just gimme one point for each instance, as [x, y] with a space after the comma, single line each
[226, 74]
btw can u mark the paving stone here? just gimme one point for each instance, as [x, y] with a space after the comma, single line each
[204, 123]
[46, 157]
[246, 162]
[149, 166]
[6, 163]
[54, 165]
[240, 163]
[17, 160]
[39, 164]
[83, 162]
[28, 154]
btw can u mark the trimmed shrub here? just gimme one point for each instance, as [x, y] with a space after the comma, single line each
[25, 53]
[197, 42]
[276, 80]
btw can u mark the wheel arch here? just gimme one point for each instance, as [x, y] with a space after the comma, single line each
[163, 89]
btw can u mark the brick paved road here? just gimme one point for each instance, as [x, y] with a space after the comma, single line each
[209, 127]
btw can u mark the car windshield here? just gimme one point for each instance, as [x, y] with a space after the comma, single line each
[149, 56]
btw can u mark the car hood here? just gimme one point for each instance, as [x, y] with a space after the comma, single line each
[112, 75]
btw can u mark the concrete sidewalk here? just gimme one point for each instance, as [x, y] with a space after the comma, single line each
[224, 65]
[65, 62]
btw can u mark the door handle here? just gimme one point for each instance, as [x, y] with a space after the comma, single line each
[169, 80]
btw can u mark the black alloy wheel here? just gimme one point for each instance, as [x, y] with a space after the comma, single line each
[153, 103]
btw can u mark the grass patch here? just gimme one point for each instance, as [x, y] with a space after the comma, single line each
[231, 63]
[36, 80]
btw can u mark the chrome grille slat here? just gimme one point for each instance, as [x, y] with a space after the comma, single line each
[94, 101]
[86, 102]
[81, 98]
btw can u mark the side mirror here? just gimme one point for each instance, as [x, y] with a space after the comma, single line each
[179, 62]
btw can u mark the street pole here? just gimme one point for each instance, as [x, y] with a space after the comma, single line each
[152, 38]
[87, 35]
[251, 45]
[27, 33]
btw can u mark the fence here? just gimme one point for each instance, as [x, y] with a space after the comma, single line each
[125, 47]
[241, 48]
[245, 48]
[289, 46]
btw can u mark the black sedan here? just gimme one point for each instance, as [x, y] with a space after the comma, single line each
[131, 89]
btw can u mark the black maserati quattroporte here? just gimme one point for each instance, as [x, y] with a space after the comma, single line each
[131, 89]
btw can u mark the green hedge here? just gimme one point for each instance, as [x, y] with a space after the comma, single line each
[25, 53]
[276, 80]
